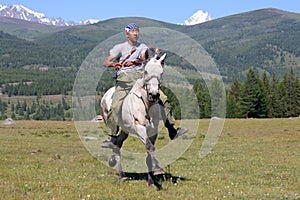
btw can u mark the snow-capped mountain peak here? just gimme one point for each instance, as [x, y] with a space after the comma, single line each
[197, 18]
[21, 12]
[88, 21]
[21, 8]
[2, 7]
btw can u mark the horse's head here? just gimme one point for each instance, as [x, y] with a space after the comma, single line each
[153, 76]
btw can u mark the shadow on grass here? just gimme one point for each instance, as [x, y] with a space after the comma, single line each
[158, 180]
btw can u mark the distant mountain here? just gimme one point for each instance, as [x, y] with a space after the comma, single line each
[23, 13]
[267, 40]
[197, 18]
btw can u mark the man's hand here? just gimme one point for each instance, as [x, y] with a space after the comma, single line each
[127, 63]
[116, 65]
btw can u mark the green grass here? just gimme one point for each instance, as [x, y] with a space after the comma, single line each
[253, 159]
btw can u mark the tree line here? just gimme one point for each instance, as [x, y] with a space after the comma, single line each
[258, 96]
[36, 110]
[264, 97]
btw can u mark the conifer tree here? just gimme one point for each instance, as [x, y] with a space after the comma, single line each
[203, 99]
[273, 99]
[266, 90]
[233, 99]
[282, 98]
[252, 99]
[291, 95]
[297, 97]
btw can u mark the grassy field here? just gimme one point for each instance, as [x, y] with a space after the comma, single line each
[253, 159]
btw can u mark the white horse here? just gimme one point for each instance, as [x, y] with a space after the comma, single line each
[106, 101]
[140, 116]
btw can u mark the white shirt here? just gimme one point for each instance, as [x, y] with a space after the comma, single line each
[123, 52]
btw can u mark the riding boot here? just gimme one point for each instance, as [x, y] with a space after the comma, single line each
[111, 144]
[115, 141]
[174, 133]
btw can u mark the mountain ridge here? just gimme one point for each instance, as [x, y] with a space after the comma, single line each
[24, 13]
[238, 42]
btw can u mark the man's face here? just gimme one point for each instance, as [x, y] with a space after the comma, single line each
[133, 35]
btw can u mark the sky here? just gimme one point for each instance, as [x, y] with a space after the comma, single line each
[171, 11]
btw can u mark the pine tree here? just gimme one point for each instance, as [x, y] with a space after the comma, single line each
[282, 98]
[291, 95]
[26, 116]
[203, 98]
[252, 99]
[273, 99]
[3, 106]
[24, 106]
[266, 90]
[33, 107]
[297, 97]
[13, 115]
[65, 103]
[12, 107]
[233, 99]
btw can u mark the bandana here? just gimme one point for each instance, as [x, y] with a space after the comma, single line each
[131, 26]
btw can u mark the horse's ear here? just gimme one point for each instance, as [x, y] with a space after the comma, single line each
[162, 58]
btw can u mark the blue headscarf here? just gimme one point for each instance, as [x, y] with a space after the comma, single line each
[131, 26]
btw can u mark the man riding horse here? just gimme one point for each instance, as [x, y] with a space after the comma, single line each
[128, 59]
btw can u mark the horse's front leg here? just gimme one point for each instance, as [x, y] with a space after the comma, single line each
[116, 157]
[152, 162]
[152, 131]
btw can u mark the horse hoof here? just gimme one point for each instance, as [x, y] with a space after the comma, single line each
[150, 183]
[112, 161]
[158, 172]
[124, 178]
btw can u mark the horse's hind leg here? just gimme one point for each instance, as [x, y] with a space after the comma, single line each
[153, 168]
[117, 156]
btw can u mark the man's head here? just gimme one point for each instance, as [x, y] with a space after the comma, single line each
[132, 33]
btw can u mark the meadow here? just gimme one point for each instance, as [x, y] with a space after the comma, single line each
[253, 159]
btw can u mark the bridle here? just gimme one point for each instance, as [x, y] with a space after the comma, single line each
[150, 96]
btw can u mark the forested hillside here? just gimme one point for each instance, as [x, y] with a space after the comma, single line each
[257, 53]
[265, 39]
[255, 97]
